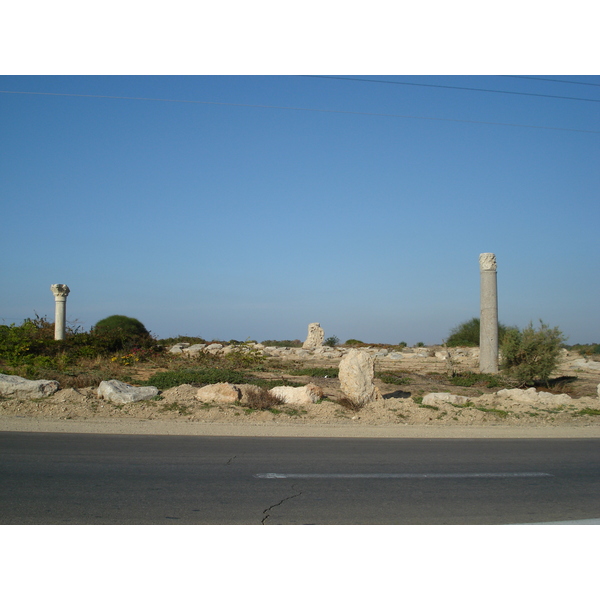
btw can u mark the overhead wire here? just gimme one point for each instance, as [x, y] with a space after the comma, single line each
[554, 80]
[297, 108]
[451, 87]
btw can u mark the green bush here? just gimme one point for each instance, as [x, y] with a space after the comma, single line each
[120, 323]
[531, 355]
[353, 342]
[467, 333]
[332, 341]
[119, 332]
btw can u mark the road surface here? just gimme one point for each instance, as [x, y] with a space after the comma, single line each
[64, 478]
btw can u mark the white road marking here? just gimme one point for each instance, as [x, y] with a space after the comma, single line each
[395, 475]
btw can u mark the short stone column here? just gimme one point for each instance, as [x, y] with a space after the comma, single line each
[60, 291]
[488, 323]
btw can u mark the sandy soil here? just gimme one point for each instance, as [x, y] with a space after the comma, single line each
[399, 414]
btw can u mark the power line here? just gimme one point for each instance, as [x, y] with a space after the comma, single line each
[555, 80]
[449, 87]
[297, 108]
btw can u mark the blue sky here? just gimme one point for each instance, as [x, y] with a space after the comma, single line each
[225, 215]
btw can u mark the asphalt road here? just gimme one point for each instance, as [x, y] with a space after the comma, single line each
[49, 478]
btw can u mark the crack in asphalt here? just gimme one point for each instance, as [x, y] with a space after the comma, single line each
[229, 461]
[278, 504]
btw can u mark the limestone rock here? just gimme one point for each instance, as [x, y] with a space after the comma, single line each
[12, 386]
[219, 392]
[582, 363]
[395, 356]
[307, 394]
[123, 393]
[315, 337]
[531, 395]
[178, 348]
[194, 350]
[356, 374]
[441, 398]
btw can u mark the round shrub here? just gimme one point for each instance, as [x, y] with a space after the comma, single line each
[467, 333]
[126, 325]
[119, 332]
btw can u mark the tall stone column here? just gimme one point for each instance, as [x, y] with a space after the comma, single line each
[60, 291]
[488, 323]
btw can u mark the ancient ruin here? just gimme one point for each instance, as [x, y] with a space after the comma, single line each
[315, 337]
[357, 373]
[488, 332]
[60, 291]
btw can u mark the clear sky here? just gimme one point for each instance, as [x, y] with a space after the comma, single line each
[250, 206]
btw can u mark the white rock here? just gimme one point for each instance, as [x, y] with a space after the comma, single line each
[178, 348]
[531, 395]
[123, 393]
[395, 356]
[219, 392]
[195, 349]
[599, 391]
[356, 374]
[12, 386]
[441, 398]
[582, 363]
[308, 394]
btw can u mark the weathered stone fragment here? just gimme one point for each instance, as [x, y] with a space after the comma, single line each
[219, 392]
[123, 393]
[178, 348]
[315, 337]
[532, 396]
[12, 386]
[194, 349]
[308, 394]
[441, 398]
[356, 374]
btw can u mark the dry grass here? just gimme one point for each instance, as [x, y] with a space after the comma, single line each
[349, 404]
[261, 399]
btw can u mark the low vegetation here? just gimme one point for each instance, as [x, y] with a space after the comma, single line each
[531, 355]
[467, 334]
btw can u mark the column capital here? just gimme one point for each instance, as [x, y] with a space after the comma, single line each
[60, 290]
[487, 262]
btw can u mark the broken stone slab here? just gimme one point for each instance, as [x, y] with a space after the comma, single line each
[315, 336]
[356, 375]
[12, 386]
[441, 398]
[395, 356]
[308, 394]
[123, 393]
